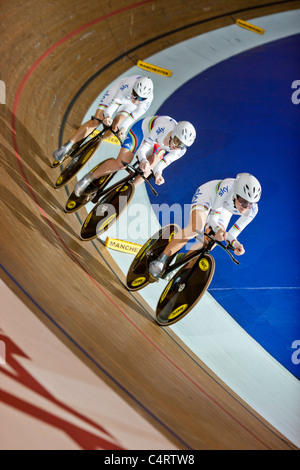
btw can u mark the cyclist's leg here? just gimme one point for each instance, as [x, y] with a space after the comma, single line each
[201, 205]
[109, 166]
[126, 154]
[196, 222]
[87, 128]
[81, 133]
[112, 165]
[128, 149]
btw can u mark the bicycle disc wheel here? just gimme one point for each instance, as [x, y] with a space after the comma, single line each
[74, 203]
[78, 161]
[138, 274]
[184, 290]
[107, 211]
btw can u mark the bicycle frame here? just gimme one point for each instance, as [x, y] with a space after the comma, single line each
[136, 172]
[98, 136]
[115, 185]
[189, 284]
[200, 253]
[90, 228]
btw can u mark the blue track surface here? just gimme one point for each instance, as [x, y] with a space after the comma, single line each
[246, 122]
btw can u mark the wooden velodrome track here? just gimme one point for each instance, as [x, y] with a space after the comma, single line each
[49, 50]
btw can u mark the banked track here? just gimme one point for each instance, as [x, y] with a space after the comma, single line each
[52, 53]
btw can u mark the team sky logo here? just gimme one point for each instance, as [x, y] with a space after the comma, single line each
[123, 87]
[223, 191]
[160, 130]
[196, 195]
[105, 96]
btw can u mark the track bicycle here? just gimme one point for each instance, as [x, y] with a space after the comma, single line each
[114, 200]
[81, 153]
[194, 273]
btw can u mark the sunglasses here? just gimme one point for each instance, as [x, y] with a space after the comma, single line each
[137, 97]
[177, 143]
[245, 204]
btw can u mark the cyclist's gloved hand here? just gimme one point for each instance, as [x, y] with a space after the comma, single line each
[221, 235]
[159, 179]
[238, 248]
[122, 133]
[145, 166]
[107, 121]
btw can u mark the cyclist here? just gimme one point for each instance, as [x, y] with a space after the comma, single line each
[212, 207]
[149, 139]
[121, 105]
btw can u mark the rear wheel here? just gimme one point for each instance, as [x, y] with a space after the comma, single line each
[138, 274]
[92, 192]
[107, 211]
[80, 158]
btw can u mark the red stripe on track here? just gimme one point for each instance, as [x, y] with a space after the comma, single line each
[19, 160]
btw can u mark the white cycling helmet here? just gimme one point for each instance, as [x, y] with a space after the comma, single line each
[247, 187]
[185, 132]
[142, 88]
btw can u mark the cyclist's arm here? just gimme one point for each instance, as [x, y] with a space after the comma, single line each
[133, 115]
[118, 92]
[240, 224]
[147, 146]
[144, 148]
[167, 159]
[218, 220]
[114, 104]
[219, 216]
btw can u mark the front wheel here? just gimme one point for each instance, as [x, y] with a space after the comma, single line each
[138, 273]
[185, 290]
